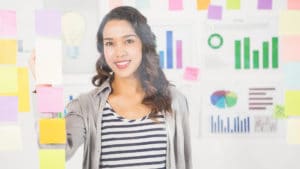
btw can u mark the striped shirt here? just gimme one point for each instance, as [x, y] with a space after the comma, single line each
[132, 144]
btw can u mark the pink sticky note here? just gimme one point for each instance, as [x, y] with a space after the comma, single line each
[8, 24]
[8, 108]
[264, 4]
[191, 73]
[175, 5]
[214, 12]
[48, 22]
[293, 4]
[115, 3]
[290, 48]
[50, 99]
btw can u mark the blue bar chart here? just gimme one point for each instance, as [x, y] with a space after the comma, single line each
[221, 124]
[167, 58]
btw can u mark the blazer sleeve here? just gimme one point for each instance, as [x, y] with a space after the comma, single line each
[187, 135]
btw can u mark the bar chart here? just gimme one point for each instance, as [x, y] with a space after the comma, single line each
[222, 124]
[268, 59]
[167, 58]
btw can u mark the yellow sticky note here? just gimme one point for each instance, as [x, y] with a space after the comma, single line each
[288, 22]
[292, 102]
[293, 131]
[8, 51]
[52, 131]
[233, 4]
[52, 158]
[203, 4]
[8, 81]
[23, 90]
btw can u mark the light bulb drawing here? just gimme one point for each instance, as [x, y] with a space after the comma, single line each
[73, 29]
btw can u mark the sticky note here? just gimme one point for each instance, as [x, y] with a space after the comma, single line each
[8, 23]
[291, 72]
[48, 23]
[23, 90]
[191, 73]
[48, 61]
[292, 102]
[50, 99]
[279, 112]
[293, 131]
[8, 80]
[214, 12]
[144, 4]
[293, 4]
[8, 51]
[289, 22]
[8, 108]
[52, 158]
[52, 131]
[11, 139]
[115, 3]
[290, 48]
[175, 5]
[233, 4]
[264, 4]
[203, 4]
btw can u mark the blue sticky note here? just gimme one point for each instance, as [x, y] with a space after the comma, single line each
[291, 75]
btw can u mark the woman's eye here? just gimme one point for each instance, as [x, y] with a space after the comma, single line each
[129, 41]
[108, 43]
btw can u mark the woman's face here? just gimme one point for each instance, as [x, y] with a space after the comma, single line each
[122, 48]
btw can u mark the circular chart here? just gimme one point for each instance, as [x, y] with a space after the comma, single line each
[223, 99]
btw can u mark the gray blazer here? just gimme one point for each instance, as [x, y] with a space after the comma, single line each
[84, 116]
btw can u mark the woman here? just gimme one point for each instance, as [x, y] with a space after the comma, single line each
[134, 118]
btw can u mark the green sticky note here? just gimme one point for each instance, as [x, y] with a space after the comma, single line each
[233, 4]
[292, 102]
[52, 158]
[279, 112]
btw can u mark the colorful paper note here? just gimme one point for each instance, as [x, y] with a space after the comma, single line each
[191, 73]
[214, 12]
[8, 80]
[290, 48]
[293, 131]
[203, 4]
[48, 61]
[8, 51]
[293, 4]
[175, 5]
[279, 112]
[115, 3]
[8, 108]
[11, 139]
[292, 103]
[144, 4]
[289, 22]
[233, 4]
[264, 4]
[52, 158]
[23, 90]
[8, 24]
[48, 23]
[291, 75]
[50, 99]
[52, 131]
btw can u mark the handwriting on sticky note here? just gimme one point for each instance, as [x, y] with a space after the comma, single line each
[52, 131]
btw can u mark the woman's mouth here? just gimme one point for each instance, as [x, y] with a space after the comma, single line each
[122, 64]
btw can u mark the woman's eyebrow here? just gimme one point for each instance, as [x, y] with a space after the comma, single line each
[125, 36]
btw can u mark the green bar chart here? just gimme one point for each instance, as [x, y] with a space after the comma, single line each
[267, 59]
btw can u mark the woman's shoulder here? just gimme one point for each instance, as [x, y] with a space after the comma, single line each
[176, 95]
[179, 101]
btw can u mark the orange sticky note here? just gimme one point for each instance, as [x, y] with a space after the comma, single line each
[203, 4]
[290, 48]
[8, 51]
[52, 131]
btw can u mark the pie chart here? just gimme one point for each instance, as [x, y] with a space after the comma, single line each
[223, 99]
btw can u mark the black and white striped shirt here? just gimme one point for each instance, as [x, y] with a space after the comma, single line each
[132, 144]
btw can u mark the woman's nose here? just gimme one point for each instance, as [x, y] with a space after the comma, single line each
[120, 50]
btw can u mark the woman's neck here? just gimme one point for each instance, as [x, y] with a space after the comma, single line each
[127, 86]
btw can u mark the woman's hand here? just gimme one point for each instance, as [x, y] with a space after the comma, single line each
[31, 64]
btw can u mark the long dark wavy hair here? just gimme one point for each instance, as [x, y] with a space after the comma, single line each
[154, 83]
